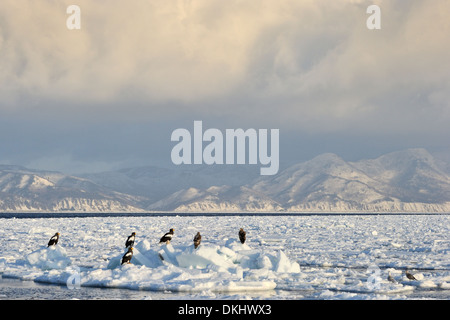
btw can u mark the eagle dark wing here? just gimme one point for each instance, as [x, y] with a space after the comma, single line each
[127, 257]
[53, 241]
[167, 237]
[130, 241]
[410, 276]
[242, 236]
[197, 240]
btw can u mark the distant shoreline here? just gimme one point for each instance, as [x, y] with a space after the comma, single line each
[34, 215]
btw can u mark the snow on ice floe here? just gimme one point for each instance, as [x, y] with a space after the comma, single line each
[320, 257]
[53, 257]
[235, 267]
[228, 268]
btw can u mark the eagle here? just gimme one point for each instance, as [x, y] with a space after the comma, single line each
[53, 240]
[130, 240]
[242, 234]
[166, 238]
[409, 275]
[127, 256]
[197, 240]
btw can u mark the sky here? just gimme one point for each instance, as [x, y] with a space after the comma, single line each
[109, 95]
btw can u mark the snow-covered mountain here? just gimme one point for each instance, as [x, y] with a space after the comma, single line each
[155, 183]
[411, 176]
[217, 199]
[24, 190]
[324, 183]
[404, 181]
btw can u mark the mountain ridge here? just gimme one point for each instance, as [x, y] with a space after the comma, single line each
[403, 181]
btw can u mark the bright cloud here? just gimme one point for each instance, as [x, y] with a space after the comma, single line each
[311, 65]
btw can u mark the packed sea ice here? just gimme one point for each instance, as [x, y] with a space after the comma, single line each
[336, 257]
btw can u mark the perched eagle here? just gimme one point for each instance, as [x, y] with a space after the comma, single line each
[197, 240]
[409, 275]
[167, 237]
[127, 256]
[130, 240]
[242, 235]
[53, 240]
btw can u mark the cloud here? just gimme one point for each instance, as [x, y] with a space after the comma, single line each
[192, 51]
[163, 50]
[306, 66]
[356, 77]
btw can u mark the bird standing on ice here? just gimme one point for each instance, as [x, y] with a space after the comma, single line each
[197, 240]
[130, 240]
[409, 275]
[242, 235]
[127, 256]
[53, 240]
[167, 237]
